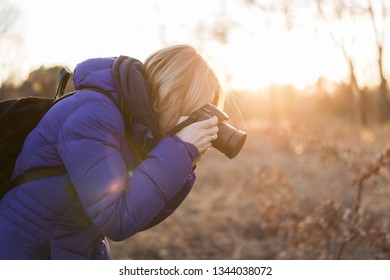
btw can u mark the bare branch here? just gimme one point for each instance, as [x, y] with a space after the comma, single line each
[8, 16]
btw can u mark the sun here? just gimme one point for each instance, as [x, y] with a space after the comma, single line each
[269, 56]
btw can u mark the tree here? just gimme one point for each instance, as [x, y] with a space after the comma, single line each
[343, 12]
[334, 15]
[342, 20]
[9, 38]
[378, 18]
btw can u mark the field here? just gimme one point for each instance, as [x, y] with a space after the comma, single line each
[298, 190]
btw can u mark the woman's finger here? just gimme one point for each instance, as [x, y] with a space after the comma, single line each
[209, 122]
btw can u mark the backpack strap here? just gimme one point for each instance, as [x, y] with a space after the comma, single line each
[104, 93]
[34, 174]
[62, 80]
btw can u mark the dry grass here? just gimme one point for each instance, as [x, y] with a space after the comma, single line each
[290, 194]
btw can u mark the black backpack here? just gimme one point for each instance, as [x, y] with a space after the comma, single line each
[18, 117]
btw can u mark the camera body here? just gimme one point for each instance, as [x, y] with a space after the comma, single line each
[230, 140]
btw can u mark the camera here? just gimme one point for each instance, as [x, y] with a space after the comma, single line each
[230, 140]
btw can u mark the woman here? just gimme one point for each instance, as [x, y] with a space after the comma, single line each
[124, 174]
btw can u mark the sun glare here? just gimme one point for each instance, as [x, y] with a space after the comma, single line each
[277, 57]
[255, 56]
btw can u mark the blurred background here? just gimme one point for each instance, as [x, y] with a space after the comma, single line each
[306, 79]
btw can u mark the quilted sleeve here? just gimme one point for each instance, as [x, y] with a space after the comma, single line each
[118, 203]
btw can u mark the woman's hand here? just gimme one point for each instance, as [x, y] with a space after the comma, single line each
[200, 134]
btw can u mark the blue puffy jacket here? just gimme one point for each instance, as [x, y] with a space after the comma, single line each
[107, 191]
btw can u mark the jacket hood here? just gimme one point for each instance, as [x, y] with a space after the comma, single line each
[124, 78]
[96, 73]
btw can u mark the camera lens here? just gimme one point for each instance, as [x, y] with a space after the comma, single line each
[230, 140]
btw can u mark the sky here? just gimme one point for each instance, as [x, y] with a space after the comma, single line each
[68, 32]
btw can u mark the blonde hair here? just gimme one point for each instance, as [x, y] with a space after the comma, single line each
[178, 76]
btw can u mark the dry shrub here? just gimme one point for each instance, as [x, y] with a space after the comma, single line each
[331, 230]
